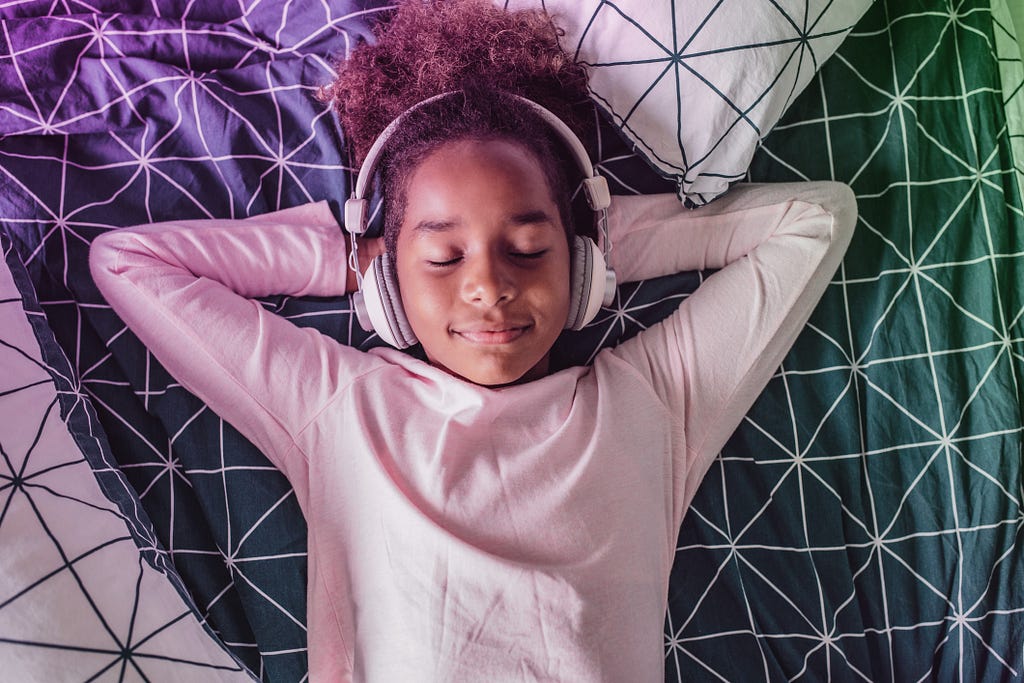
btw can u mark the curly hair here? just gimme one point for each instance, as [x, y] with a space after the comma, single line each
[429, 47]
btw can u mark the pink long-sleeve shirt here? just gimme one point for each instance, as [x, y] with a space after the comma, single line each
[462, 533]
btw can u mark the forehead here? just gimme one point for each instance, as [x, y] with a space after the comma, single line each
[498, 159]
[476, 178]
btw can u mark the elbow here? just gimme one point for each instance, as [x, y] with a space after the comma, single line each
[101, 254]
[104, 256]
[844, 210]
[839, 201]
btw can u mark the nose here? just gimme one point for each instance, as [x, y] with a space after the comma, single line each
[487, 280]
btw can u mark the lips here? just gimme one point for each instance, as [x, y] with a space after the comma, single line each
[497, 334]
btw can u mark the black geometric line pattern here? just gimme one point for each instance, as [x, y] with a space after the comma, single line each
[734, 66]
[864, 522]
[77, 597]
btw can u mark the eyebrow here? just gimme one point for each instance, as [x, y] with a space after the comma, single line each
[525, 218]
[433, 226]
[528, 217]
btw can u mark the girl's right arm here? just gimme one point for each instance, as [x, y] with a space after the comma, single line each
[185, 289]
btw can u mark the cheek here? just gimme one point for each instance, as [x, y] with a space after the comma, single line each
[425, 300]
[420, 297]
[554, 289]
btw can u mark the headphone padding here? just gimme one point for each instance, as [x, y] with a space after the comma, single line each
[383, 303]
[586, 283]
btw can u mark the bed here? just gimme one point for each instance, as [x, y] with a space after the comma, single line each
[864, 523]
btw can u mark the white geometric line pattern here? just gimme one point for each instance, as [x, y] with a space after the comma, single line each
[864, 522]
[896, 420]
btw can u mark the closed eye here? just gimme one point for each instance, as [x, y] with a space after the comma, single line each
[530, 254]
[443, 264]
[522, 255]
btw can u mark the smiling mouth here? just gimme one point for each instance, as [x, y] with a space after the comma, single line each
[504, 336]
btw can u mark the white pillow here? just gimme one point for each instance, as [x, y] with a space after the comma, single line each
[698, 117]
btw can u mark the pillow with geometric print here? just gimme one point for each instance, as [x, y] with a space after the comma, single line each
[78, 598]
[694, 86]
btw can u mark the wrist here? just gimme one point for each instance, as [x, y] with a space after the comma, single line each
[367, 249]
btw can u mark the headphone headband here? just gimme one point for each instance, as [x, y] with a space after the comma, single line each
[356, 208]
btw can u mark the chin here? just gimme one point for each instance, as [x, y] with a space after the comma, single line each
[498, 375]
[494, 378]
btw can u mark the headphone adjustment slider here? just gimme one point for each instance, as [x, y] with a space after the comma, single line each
[355, 216]
[598, 195]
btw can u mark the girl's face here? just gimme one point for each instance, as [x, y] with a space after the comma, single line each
[483, 262]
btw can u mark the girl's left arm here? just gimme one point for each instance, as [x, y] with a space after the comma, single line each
[775, 249]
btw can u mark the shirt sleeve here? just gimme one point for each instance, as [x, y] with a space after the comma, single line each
[184, 288]
[776, 247]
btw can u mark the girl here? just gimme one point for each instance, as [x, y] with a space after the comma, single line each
[476, 516]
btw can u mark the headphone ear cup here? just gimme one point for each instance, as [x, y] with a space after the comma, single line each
[382, 304]
[586, 283]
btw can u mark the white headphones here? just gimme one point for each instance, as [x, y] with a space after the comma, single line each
[378, 303]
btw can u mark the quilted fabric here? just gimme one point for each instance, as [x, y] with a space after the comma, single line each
[76, 595]
[695, 86]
